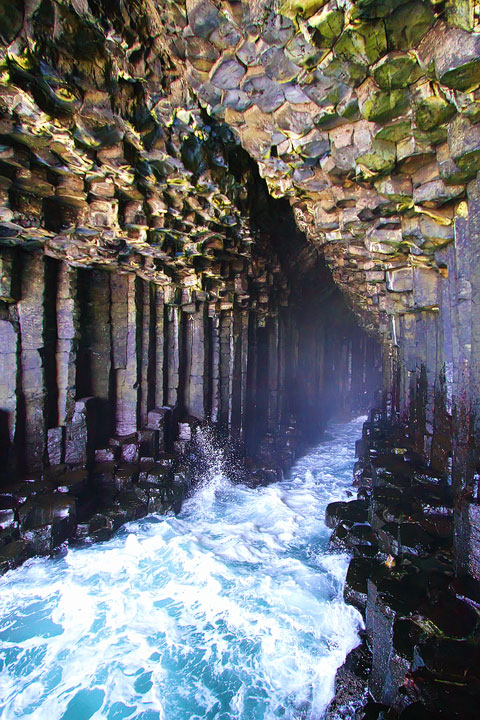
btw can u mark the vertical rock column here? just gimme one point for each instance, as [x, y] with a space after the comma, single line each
[272, 397]
[282, 366]
[240, 366]
[226, 367]
[159, 390]
[67, 334]
[8, 354]
[320, 358]
[66, 355]
[406, 331]
[306, 403]
[31, 319]
[251, 390]
[291, 344]
[173, 353]
[145, 352]
[124, 343]
[195, 379]
[466, 410]
[214, 388]
[100, 354]
[473, 190]
[100, 347]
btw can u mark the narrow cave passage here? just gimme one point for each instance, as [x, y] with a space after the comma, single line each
[198, 201]
[102, 367]
[233, 608]
[161, 422]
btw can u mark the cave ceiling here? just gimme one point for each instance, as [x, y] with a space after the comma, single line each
[124, 126]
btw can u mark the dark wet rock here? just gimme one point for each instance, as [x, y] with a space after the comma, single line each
[466, 588]
[125, 475]
[103, 476]
[46, 509]
[105, 455]
[333, 513]
[73, 483]
[264, 475]
[77, 435]
[350, 683]
[99, 529]
[359, 571]
[406, 634]
[467, 535]
[130, 452]
[414, 540]
[372, 711]
[453, 617]
[17, 492]
[411, 602]
[364, 493]
[363, 474]
[13, 554]
[418, 711]
[388, 538]
[400, 511]
[156, 474]
[7, 518]
[449, 660]
[362, 535]
[165, 459]
[351, 512]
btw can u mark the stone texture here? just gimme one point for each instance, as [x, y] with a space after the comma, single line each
[142, 264]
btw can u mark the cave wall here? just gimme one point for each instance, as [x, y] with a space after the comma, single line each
[146, 277]
[88, 354]
[365, 115]
[120, 128]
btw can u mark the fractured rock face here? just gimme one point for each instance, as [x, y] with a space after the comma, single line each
[121, 136]
[326, 101]
[406, 72]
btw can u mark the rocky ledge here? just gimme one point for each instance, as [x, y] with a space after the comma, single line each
[420, 655]
[91, 495]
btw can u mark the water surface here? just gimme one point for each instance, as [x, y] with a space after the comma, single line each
[232, 610]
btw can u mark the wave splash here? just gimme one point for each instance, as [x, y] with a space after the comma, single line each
[232, 610]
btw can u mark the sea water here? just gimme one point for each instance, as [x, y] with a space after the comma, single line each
[231, 610]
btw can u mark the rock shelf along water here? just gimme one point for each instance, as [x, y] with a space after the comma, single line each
[231, 610]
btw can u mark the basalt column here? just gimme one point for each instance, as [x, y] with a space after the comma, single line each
[32, 386]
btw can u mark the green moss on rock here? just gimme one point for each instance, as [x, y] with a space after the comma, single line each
[380, 160]
[305, 8]
[396, 70]
[368, 9]
[407, 26]
[432, 112]
[365, 43]
[465, 78]
[328, 25]
[395, 131]
[384, 106]
[350, 72]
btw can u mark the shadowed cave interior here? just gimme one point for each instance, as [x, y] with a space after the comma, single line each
[307, 363]
[257, 217]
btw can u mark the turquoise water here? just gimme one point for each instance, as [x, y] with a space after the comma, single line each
[231, 610]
